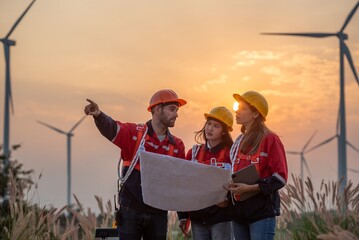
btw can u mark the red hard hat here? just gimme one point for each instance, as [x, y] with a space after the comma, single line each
[165, 96]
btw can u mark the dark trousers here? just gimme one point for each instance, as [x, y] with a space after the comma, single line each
[137, 225]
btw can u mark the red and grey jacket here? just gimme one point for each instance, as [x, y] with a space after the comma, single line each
[271, 164]
[217, 156]
[125, 136]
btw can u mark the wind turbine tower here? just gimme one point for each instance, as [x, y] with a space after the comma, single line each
[344, 51]
[8, 96]
[68, 134]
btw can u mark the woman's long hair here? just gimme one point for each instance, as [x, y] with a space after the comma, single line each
[253, 136]
[227, 140]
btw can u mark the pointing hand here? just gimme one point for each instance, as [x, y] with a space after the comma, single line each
[92, 108]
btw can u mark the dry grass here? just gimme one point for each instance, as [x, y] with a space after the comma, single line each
[323, 214]
[306, 214]
[88, 221]
[29, 222]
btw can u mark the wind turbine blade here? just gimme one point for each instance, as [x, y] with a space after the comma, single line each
[351, 14]
[353, 147]
[310, 139]
[353, 170]
[350, 60]
[53, 128]
[19, 19]
[291, 152]
[322, 143]
[78, 123]
[316, 35]
[306, 166]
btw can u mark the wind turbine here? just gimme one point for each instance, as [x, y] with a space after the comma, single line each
[68, 134]
[303, 161]
[344, 51]
[8, 96]
[331, 139]
[328, 141]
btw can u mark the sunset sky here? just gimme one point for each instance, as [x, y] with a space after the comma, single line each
[118, 53]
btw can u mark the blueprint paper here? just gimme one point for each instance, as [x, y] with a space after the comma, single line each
[176, 184]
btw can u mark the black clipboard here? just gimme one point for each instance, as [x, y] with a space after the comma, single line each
[247, 175]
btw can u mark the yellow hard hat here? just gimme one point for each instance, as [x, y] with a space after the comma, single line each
[222, 114]
[165, 96]
[255, 99]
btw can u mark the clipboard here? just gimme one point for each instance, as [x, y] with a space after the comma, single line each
[247, 175]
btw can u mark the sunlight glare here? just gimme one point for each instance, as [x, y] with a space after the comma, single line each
[235, 106]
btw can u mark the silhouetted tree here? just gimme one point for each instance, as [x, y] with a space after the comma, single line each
[23, 180]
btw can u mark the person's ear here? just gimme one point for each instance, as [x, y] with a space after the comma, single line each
[256, 114]
[158, 108]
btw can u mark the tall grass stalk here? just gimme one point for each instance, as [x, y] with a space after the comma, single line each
[323, 214]
[28, 221]
[88, 221]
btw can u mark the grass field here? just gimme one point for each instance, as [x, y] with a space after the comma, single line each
[306, 214]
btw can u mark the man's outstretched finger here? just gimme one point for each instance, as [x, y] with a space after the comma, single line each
[92, 102]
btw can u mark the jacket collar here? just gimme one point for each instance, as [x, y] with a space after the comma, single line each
[215, 149]
[151, 132]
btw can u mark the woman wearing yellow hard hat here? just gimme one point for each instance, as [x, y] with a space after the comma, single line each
[254, 217]
[214, 143]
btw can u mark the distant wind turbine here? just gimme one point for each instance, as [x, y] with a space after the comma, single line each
[8, 96]
[328, 140]
[303, 161]
[68, 134]
[344, 51]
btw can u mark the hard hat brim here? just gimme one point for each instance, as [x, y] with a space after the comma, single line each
[181, 102]
[207, 115]
[262, 110]
[238, 97]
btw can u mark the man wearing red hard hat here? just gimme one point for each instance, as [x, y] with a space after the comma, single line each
[135, 219]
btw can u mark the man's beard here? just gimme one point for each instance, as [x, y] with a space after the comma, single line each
[168, 122]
